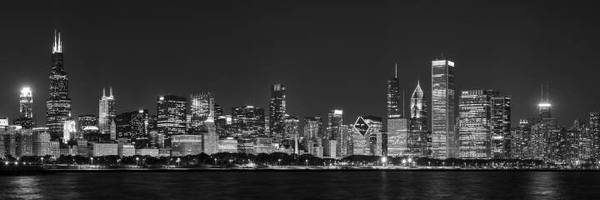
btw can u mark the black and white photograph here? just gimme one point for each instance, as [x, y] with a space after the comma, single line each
[299, 99]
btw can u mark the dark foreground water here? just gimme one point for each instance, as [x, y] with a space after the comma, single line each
[304, 185]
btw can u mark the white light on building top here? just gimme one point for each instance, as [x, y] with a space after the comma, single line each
[544, 105]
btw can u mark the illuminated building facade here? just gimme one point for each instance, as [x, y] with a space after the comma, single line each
[69, 130]
[521, 141]
[335, 122]
[171, 115]
[500, 126]
[202, 109]
[397, 124]
[367, 136]
[474, 126]
[419, 137]
[312, 132]
[277, 110]
[248, 120]
[292, 133]
[25, 109]
[106, 111]
[58, 105]
[133, 125]
[443, 110]
[594, 126]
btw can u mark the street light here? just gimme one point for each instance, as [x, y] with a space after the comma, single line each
[306, 162]
[137, 160]
[384, 160]
[92, 160]
[279, 161]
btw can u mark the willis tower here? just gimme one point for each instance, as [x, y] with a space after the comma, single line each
[58, 105]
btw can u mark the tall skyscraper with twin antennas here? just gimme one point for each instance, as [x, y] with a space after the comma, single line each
[58, 105]
[106, 111]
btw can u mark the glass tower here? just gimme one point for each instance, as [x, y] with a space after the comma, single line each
[443, 110]
[277, 112]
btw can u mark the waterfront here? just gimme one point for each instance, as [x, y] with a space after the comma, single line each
[304, 184]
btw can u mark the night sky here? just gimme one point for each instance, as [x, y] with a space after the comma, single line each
[328, 54]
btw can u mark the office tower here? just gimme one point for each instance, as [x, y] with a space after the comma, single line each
[58, 105]
[312, 132]
[335, 122]
[69, 130]
[26, 103]
[292, 132]
[133, 125]
[394, 97]
[171, 115]
[248, 121]
[474, 126]
[419, 137]
[277, 111]
[594, 126]
[545, 133]
[202, 109]
[443, 110]
[397, 123]
[367, 136]
[106, 111]
[521, 141]
[500, 126]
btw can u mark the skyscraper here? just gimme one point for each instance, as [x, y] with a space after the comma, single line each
[443, 109]
[335, 120]
[292, 132]
[397, 124]
[367, 136]
[277, 111]
[26, 103]
[106, 111]
[171, 115]
[394, 97]
[25, 119]
[419, 137]
[58, 105]
[474, 124]
[312, 135]
[248, 120]
[202, 109]
[594, 125]
[500, 126]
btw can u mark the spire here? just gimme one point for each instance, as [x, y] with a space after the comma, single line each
[57, 45]
[418, 92]
[103, 92]
[110, 91]
[395, 70]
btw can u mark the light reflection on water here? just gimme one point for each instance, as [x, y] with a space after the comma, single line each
[302, 185]
[23, 187]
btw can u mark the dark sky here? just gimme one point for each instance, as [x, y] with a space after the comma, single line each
[329, 54]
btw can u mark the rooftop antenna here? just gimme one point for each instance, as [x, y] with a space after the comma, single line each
[395, 70]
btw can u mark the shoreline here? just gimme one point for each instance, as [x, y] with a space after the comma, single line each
[41, 170]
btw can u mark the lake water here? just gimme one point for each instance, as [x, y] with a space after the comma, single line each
[304, 185]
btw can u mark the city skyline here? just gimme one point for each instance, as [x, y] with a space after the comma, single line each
[82, 63]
